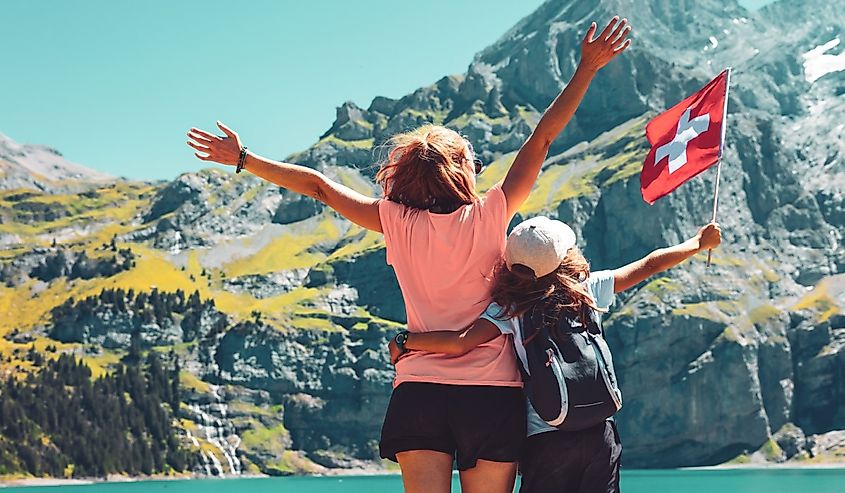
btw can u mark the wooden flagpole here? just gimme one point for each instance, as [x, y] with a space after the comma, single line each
[721, 153]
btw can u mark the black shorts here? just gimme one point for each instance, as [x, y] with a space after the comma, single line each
[467, 421]
[585, 461]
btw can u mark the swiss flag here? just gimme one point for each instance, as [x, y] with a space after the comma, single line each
[685, 140]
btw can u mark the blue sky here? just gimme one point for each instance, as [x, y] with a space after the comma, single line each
[114, 85]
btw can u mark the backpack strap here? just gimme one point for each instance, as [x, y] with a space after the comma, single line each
[604, 367]
[531, 330]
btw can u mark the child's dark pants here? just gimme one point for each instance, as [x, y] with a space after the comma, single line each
[585, 461]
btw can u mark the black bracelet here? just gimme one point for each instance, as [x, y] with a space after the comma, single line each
[400, 339]
[241, 160]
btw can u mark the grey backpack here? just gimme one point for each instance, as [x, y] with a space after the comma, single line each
[569, 380]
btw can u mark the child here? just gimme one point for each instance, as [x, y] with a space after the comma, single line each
[544, 271]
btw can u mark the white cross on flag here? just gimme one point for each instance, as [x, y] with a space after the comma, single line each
[685, 140]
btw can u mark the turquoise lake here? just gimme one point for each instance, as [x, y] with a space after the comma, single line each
[634, 481]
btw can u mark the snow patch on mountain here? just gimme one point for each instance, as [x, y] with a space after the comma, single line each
[818, 63]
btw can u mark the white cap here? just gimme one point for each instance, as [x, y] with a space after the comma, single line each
[540, 244]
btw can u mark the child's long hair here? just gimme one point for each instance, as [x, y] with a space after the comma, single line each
[428, 169]
[561, 293]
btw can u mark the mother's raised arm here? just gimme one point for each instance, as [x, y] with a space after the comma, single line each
[226, 149]
[596, 52]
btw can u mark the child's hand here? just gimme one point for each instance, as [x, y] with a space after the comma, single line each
[395, 352]
[599, 51]
[709, 237]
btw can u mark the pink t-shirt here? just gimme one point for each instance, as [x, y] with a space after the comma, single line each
[444, 264]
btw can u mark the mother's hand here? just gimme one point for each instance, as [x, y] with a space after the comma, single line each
[223, 150]
[598, 52]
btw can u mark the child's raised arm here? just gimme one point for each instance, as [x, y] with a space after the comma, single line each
[708, 237]
[595, 54]
[447, 341]
[356, 207]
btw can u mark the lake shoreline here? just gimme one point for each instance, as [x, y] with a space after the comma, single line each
[362, 472]
[766, 466]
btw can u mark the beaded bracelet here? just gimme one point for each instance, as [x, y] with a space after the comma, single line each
[241, 160]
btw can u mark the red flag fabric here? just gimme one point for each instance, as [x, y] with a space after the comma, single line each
[685, 140]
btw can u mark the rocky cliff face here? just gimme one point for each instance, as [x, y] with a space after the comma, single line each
[743, 360]
[331, 383]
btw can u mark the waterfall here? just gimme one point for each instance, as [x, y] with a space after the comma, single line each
[205, 462]
[214, 427]
[177, 244]
[192, 438]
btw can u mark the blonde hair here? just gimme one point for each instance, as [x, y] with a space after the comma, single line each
[427, 169]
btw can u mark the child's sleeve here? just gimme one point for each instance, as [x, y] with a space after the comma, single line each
[491, 314]
[601, 286]
[508, 326]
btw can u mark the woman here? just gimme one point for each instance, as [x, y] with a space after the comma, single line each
[545, 275]
[443, 241]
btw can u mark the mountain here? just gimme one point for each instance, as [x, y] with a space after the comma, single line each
[40, 167]
[278, 310]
